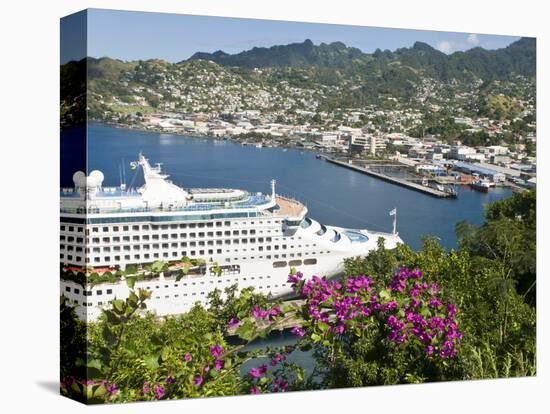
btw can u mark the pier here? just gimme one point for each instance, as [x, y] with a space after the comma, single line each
[394, 180]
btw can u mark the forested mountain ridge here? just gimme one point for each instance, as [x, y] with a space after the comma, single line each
[518, 58]
[291, 83]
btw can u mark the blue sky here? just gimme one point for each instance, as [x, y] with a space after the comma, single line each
[172, 37]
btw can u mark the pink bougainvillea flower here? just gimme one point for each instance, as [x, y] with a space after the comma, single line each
[233, 322]
[216, 351]
[298, 331]
[257, 372]
[159, 391]
[218, 364]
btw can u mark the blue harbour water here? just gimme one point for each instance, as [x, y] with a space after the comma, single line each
[333, 195]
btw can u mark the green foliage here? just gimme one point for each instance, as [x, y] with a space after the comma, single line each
[482, 361]
[144, 354]
[479, 139]
[90, 279]
[73, 77]
[491, 279]
[72, 341]
[507, 241]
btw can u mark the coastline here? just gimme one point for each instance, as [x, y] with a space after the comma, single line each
[246, 142]
[206, 137]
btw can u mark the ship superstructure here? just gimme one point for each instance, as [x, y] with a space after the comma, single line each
[249, 239]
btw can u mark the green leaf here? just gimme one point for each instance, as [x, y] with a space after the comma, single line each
[108, 335]
[118, 305]
[156, 340]
[384, 294]
[95, 363]
[299, 374]
[112, 318]
[246, 331]
[152, 362]
[425, 312]
[144, 294]
[131, 281]
[158, 266]
[89, 392]
[133, 300]
[315, 338]
[76, 388]
[94, 369]
[165, 353]
[322, 326]
[100, 392]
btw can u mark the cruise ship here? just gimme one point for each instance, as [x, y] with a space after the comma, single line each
[223, 236]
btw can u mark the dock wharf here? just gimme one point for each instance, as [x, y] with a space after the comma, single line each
[394, 180]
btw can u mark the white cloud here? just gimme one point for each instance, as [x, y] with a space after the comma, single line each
[472, 40]
[445, 46]
[450, 46]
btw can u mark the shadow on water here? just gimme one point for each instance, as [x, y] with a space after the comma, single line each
[279, 339]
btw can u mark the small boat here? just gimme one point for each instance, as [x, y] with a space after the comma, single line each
[481, 185]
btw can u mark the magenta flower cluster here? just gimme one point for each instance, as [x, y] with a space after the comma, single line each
[158, 390]
[67, 383]
[410, 309]
[269, 314]
[424, 317]
[233, 323]
[277, 385]
[258, 372]
[216, 351]
[345, 302]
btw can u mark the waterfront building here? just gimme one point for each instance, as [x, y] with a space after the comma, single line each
[370, 144]
[483, 170]
[464, 153]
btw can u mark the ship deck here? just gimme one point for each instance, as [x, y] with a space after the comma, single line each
[288, 207]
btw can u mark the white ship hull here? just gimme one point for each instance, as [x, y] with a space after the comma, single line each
[253, 239]
[170, 297]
